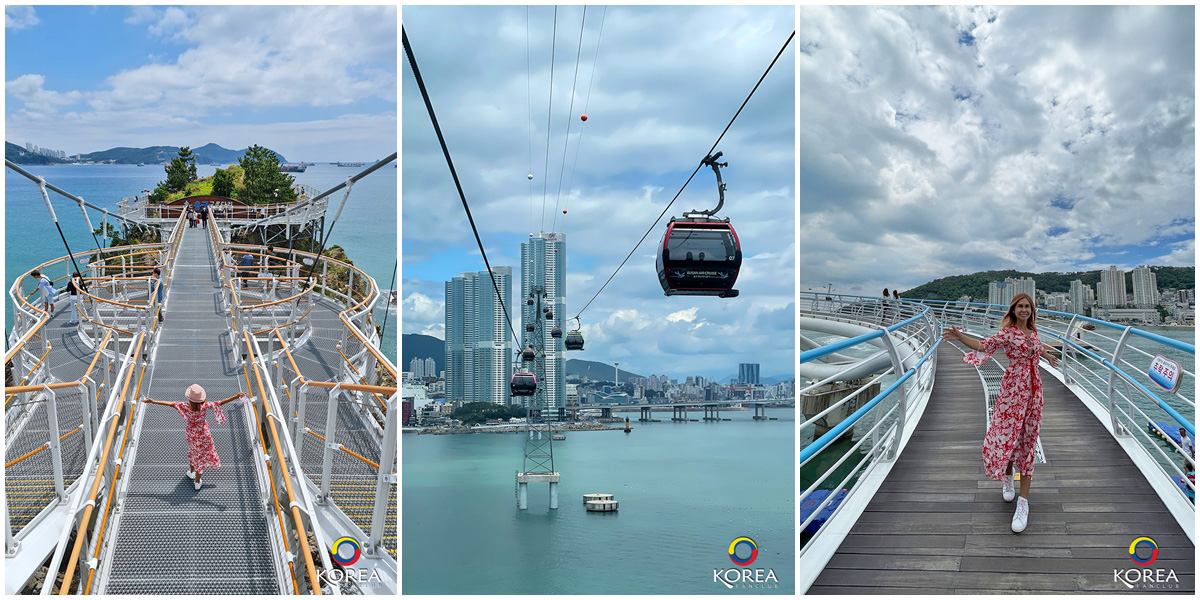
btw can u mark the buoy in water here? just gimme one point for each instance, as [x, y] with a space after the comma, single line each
[582, 117]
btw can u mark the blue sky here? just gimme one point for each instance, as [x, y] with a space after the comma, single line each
[938, 141]
[665, 82]
[88, 78]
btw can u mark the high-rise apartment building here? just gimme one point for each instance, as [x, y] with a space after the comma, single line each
[748, 374]
[1145, 287]
[544, 267]
[1110, 291]
[1002, 292]
[478, 343]
[1080, 297]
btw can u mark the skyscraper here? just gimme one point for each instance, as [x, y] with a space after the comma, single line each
[1145, 287]
[478, 346]
[748, 373]
[1111, 289]
[544, 267]
[1079, 297]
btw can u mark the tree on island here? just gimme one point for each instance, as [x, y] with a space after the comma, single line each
[222, 183]
[180, 173]
[262, 182]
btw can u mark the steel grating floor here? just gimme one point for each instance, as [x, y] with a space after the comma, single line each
[174, 539]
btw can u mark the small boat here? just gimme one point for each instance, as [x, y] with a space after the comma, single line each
[300, 168]
[349, 164]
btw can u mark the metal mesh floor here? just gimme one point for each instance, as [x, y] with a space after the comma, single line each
[174, 539]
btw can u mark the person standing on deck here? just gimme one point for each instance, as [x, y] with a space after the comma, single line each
[157, 284]
[74, 287]
[46, 289]
[1012, 435]
[202, 453]
[1189, 450]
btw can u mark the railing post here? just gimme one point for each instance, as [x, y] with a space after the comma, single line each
[1117, 427]
[11, 545]
[55, 443]
[384, 479]
[330, 444]
[89, 411]
[898, 367]
[300, 434]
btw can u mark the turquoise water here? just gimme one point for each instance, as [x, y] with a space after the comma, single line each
[366, 229]
[686, 491]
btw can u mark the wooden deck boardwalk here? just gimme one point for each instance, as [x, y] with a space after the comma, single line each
[939, 525]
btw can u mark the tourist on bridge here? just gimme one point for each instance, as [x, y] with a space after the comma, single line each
[247, 267]
[202, 454]
[1189, 450]
[1012, 435]
[156, 283]
[46, 289]
[74, 286]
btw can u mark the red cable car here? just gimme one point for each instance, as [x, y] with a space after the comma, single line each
[699, 254]
[556, 332]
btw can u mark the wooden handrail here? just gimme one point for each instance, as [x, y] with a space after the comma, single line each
[20, 344]
[272, 416]
[80, 538]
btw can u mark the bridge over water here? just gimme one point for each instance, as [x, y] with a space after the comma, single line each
[919, 516]
[97, 499]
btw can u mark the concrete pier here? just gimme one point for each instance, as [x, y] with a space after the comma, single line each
[523, 481]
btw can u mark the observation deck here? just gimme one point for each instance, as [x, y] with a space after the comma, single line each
[920, 516]
[98, 499]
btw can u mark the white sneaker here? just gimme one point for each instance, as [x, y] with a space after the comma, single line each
[1010, 490]
[197, 486]
[191, 475]
[1021, 517]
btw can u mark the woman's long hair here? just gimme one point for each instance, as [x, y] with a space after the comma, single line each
[1010, 317]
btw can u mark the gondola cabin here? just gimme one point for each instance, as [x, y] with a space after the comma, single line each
[555, 332]
[699, 257]
[574, 340]
[523, 383]
[527, 355]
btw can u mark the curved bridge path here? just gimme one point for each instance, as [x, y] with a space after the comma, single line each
[938, 525]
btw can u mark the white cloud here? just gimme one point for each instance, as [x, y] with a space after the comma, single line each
[17, 18]
[688, 315]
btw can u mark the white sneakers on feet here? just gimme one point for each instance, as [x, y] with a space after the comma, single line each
[1010, 490]
[191, 475]
[1021, 517]
[197, 486]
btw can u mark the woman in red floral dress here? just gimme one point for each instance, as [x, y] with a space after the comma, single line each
[1012, 435]
[202, 454]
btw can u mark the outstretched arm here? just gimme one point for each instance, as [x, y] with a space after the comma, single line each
[950, 334]
[1053, 360]
[232, 398]
[150, 401]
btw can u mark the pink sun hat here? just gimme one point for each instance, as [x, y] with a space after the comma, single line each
[195, 393]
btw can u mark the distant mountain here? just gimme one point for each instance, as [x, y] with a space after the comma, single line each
[415, 345]
[22, 156]
[975, 285]
[598, 370]
[208, 154]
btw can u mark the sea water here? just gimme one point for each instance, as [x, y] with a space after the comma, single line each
[686, 491]
[366, 228]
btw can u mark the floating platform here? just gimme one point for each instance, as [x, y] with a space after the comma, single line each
[599, 502]
[558, 437]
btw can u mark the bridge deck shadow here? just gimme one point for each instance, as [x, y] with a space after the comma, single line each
[939, 525]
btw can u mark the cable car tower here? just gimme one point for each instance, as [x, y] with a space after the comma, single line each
[538, 464]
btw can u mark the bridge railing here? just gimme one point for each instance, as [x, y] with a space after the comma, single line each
[1108, 363]
[140, 208]
[909, 336]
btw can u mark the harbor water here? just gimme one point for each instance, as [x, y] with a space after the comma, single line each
[686, 491]
[366, 229]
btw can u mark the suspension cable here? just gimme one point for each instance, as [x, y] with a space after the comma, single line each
[570, 110]
[529, 122]
[391, 292]
[586, 100]
[549, 107]
[412, 61]
[697, 170]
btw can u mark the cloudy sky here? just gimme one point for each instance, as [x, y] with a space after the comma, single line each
[950, 140]
[315, 83]
[666, 82]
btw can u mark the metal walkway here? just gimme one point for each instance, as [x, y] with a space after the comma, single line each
[171, 538]
[939, 526]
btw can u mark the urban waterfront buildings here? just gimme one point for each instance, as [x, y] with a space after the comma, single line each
[544, 281]
[1110, 292]
[1002, 292]
[1145, 287]
[478, 343]
[748, 373]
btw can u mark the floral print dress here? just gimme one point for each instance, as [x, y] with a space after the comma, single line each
[1012, 435]
[201, 451]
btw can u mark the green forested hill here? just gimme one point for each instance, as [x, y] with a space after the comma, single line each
[975, 285]
[208, 154]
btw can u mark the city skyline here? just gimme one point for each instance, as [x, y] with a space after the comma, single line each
[160, 75]
[657, 97]
[939, 141]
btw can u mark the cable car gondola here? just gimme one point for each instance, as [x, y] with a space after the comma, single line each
[549, 315]
[556, 332]
[523, 383]
[699, 254]
[529, 327]
[574, 339]
[527, 354]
